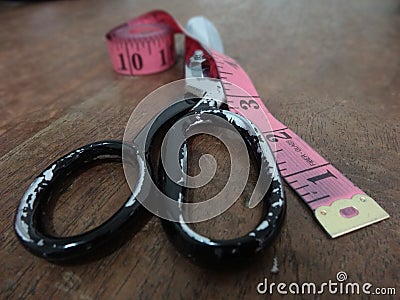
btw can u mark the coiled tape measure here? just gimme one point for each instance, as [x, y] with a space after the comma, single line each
[145, 45]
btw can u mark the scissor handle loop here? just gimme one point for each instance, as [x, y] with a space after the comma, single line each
[213, 252]
[28, 220]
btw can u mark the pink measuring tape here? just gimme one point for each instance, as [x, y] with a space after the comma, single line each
[145, 45]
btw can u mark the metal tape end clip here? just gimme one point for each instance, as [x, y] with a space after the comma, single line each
[347, 215]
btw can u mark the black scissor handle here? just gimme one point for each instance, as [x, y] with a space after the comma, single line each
[28, 223]
[216, 253]
[32, 234]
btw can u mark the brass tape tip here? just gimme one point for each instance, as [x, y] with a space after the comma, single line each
[347, 215]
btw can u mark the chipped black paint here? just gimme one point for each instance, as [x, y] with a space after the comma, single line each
[28, 223]
[200, 249]
[213, 252]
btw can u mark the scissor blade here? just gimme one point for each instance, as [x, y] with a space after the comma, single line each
[205, 32]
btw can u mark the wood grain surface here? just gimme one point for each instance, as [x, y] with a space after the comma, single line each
[330, 70]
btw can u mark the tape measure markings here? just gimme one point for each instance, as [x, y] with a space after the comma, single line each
[302, 152]
[321, 186]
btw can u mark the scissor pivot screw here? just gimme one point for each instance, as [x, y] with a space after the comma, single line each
[196, 64]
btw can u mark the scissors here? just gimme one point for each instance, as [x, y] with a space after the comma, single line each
[200, 249]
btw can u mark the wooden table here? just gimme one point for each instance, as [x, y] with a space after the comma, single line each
[330, 70]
